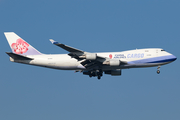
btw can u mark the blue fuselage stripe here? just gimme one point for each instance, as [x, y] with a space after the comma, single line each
[161, 59]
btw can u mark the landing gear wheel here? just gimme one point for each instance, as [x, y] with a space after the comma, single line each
[158, 71]
[99, 77]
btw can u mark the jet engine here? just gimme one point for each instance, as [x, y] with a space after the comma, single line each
[91, 56]
[114, 62]
[113, 72]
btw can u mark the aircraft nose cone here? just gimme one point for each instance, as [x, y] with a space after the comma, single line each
[174, 58]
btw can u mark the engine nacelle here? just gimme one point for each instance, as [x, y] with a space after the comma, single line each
[113, 72]
[114, 62]
[91, 56]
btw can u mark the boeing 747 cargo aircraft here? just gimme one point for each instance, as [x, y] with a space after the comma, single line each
[91, 64]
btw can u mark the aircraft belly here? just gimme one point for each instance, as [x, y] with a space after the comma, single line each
[67, 65]
[56, 63]
[127, 66]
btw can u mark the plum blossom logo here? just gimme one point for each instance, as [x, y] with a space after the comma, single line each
[110, 56]
[20, 46]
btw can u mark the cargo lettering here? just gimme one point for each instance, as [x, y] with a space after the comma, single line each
[136, 55]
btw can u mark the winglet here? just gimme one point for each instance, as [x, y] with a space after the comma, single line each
[53, 42]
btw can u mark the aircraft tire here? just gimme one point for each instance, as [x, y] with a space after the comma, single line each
[158, 71]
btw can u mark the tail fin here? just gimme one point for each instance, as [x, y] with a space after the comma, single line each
[19, 46]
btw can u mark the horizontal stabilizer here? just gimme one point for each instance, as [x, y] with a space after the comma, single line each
[18, 57]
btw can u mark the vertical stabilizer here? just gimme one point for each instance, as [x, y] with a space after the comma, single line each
[19, 46]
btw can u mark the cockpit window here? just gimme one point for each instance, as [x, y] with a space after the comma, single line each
[162, 50]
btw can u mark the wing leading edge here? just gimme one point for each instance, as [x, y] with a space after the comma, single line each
[65, 47]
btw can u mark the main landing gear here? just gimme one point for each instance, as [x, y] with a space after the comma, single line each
[158, 71]
[97, 73]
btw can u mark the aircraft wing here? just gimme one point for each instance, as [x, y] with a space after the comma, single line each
[80, 55]
[88, 60]
[65, 47]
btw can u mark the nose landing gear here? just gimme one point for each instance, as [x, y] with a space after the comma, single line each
[158, 71]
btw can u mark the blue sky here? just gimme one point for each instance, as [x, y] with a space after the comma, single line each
[29, 92]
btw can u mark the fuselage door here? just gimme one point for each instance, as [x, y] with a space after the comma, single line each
[157, 52]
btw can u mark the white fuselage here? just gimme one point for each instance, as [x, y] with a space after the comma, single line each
[134, 59]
